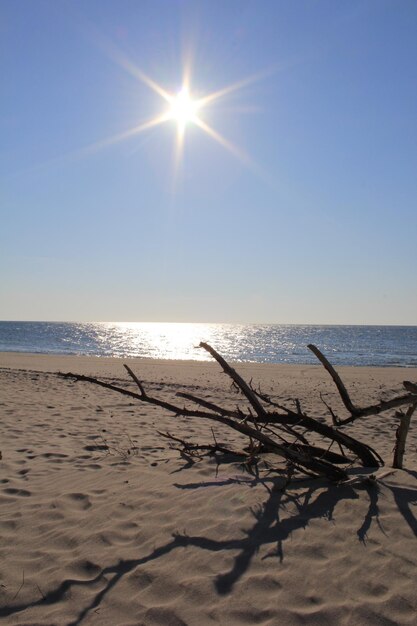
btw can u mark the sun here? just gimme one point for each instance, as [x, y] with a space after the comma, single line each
[183, 109]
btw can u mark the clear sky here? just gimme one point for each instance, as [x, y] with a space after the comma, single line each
[298, 206]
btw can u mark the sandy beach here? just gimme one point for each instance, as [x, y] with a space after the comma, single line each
[102, 523]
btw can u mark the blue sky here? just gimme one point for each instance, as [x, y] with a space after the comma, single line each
[317, 225]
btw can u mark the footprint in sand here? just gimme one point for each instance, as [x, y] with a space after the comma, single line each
[96, 448]
[54, 457]
[12, 491]
[78, 500]
[84, 569]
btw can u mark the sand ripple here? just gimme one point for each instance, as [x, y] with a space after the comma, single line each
[92, 534]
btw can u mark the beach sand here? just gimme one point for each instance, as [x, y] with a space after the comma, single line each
[96, 535]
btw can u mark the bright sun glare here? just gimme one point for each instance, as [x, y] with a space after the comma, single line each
[183, 108]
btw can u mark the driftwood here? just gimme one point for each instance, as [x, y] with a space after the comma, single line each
[273, 430]
[401, 435]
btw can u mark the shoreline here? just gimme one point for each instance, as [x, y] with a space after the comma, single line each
[40, 359]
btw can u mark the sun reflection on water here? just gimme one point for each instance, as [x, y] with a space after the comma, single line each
[261, 343]
[159, 340]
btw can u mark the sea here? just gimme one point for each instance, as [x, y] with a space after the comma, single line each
[260, 343]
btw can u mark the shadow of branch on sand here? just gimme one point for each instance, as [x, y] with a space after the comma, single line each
[404, 497]
[268, 529]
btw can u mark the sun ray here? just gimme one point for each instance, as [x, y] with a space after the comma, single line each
[177, 160]
[109, 141]
[103, 143]
[135, 71]
[117, 56]
[186, 73]
[220, 93]
[242, 156]
[179, 147]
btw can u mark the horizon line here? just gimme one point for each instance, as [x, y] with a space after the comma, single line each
[39, 321]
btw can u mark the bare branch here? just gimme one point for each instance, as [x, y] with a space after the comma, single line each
[401, 435]
[336, 379]
[356, 412]
[191, 448]
[136, 379]
[368, 456]
[210, 405]
[177, 410]
[238, 380]
[411, 387]
[376, 409]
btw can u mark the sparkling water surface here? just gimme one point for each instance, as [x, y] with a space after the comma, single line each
[262, 343]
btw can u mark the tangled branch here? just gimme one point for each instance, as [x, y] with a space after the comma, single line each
[273, 429]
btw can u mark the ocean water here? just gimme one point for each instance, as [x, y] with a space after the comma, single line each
[262, 343]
